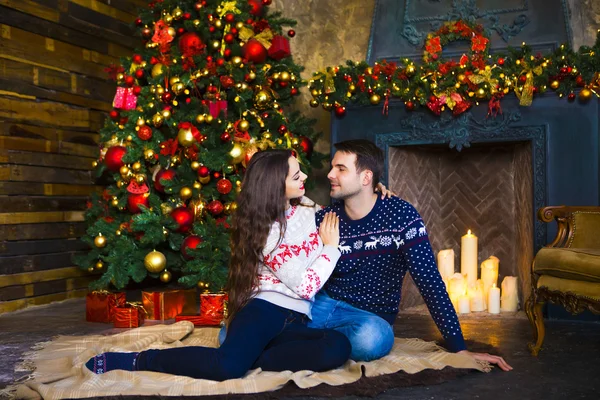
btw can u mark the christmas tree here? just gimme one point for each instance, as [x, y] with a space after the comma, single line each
[204, 94]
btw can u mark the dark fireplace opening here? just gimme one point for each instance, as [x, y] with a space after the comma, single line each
[487, 188]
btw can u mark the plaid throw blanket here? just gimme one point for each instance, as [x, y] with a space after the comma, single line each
[60, 372]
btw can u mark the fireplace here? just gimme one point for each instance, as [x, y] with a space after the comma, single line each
[487, 188]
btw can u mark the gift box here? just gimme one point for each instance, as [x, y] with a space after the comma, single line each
[213, 305]
[125, 99]
[100, 305]
[280, 48]
[216, 106]
[129, 315]
[167, 304]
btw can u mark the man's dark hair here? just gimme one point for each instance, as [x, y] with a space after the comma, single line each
[368, 156]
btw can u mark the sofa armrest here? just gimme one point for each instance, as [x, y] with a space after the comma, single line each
[562, 216]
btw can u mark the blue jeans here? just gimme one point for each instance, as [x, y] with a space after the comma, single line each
[262, 335]
[371, 336]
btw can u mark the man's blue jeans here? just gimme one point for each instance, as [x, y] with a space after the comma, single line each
[262, 335]
[371, 336]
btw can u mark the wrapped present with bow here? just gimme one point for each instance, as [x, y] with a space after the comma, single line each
[125, 99]
[213, 310]
[100, 305]
[280, 48]
[167, 304]
[130, 315]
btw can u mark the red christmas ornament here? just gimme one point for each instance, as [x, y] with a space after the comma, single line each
[167, 97]
[294, 91]
[266, 2]
[145, 132]
[291, 33]
[123, 120]
[113, 114]
[234, 31]
[220, 62]
[579, 81]
[113, 158]
[187, 16]
[224, 186]
[225, 137]
[180, 31]
[306, 145]
[163, 174]
[203, 171]
[571, 97]
[229, 38]
[282, 129]
[139, 73]
[215, 207]
[184, 218]
[283, 83]
[212, 29]
[134, 201]
[226, 81]
[137, 58]
[216, 175]
[432, 98]
[254, 51]
[256, 7]
[129, 80]
[563, 70]
[501, 61]
[227, 53]
[191, 44]
[153, 60]
[229, 18]
[138, 21]
[189, 243]
[137, 90]
[409, 105]
[523, 79]
[340, 111]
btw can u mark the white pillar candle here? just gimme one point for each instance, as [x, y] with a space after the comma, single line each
[457, 285]
[489, 273]
[445, 261]
[494, 300]
[464, 304]
[454, 300]
[468, 256]
[510, 299]
[477, 297]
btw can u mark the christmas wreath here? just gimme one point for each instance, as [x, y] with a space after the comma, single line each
[455, 31]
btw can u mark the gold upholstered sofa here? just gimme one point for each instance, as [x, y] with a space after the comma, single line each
[567, 271]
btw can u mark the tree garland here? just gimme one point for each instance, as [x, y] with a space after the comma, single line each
[440, 84]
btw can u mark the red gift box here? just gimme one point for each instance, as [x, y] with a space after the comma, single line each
[213, 310]
[125, 99]
[129, 315]
[216, 106]
[100, 305]
[168, 304]
[280, 48]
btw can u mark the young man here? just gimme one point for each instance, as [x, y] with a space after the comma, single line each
[380, 240]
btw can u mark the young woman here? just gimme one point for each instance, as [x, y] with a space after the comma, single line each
[279, 261]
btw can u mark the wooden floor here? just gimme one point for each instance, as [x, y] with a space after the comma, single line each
[567, 367]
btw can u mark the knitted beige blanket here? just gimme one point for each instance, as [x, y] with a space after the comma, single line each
[60, 372]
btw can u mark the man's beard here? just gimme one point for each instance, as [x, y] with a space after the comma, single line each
[341, 194]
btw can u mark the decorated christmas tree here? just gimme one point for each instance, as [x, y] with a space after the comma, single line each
[205, 92]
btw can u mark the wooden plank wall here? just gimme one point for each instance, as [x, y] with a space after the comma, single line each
[54, 96]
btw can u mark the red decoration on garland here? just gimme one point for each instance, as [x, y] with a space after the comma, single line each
[189, 243]
[203, 171]
[256, 7]
[224, 186]
[136, 188]
[184, 218]
[145, 132]
[215, 207]
[340, 111]
[306, 145]
[125, 99]
[191, 44]
[162, 36]
[291, 33]
[216, 106]
[254, 51]
[134, 201]
[165, 175]
[113, 158]
[280, 48]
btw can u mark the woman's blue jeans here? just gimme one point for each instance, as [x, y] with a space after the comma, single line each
[262, 335]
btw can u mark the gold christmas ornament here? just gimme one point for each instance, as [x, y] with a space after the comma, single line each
[178, 88]
[166, 114]
[118, 232]
[155, 261]
[172, 33]
[166, 208]
[136, 166]
[480, 93]
[200, 118]
[554, 84]
[114, 202]
[149, 154]
[262, 100]
[251, 76]
[195, 165]
[314, 103]
[352, 88]
[168, 18]
[276, 76]
[284, 76]
[124, 170]
[157, 70]
[585, 94]
[244, 125]
[99, 265]
[157, 120]
[174, 79]
[328, 106]
[185, 137]
[410, 70]
[204, 180]
[185, 193]
[165, 277]
[177, 13]
[198, 207]
[209, 119]
[461, 78]
[100, 241]
[140, 178]
[94, 164]
[197, 185]
[141, 121]
[233, 206]
[91, 269]
[237, 153]
[375, 99]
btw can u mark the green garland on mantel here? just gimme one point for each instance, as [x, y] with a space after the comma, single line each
[439, 83]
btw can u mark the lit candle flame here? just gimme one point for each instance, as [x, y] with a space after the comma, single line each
[493, 285]
[468, 233]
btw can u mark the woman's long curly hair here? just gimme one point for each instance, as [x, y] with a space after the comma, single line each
[261, 202]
